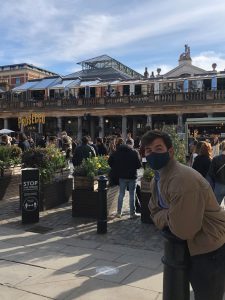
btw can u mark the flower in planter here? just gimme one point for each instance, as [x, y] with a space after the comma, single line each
[92, 167]
[47, 160]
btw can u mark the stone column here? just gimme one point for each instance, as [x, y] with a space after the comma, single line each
[101, 127]
[92, 129]
[149, 121]
[134, 129]
[59, 124]
[6, 123]
[79, 128]
[180, 125]
[40, 128]
[124, 127]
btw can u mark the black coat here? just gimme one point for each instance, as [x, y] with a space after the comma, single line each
[24, 145]
[101, 149]
[202, 164]
[216, 169]
[82, 152]
[124, 162]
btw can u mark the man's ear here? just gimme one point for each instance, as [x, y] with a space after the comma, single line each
[171, 152]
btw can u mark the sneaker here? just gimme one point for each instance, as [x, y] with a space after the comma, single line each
[134, 216]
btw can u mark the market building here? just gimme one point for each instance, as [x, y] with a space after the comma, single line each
[107, 97]
[17, 74]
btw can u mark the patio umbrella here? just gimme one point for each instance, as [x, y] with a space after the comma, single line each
[6, 131]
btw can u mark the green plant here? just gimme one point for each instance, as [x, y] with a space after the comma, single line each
[48, 160]
[9, 156]
[178, 144]
[92, 167]
[148, 174]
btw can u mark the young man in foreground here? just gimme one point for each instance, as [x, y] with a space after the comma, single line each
[183, 200]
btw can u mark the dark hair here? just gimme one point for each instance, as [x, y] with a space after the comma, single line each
[85, 139]
[129, 142]
[119, 141]
[52, 138]
[152, 135]
[198, 146]
[99, 140]
[22, 137]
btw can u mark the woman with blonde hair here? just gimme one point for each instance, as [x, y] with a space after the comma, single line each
[217, 174]
[203, 160]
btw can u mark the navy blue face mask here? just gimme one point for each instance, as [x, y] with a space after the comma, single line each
[157, 161]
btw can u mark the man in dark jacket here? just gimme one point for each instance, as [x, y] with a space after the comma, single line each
[101, 147]
[124, 162]
[82, 151]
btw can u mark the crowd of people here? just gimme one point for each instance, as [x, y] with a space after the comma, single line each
[208, 158]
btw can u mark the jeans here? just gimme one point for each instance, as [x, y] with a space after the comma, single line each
[131, 184]
[207, 275]
[219, 191]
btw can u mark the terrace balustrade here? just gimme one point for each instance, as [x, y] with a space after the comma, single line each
[198, 97]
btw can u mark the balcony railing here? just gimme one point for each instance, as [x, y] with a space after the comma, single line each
[204, 97]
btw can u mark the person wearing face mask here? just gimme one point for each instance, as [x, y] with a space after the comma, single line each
[183, 201]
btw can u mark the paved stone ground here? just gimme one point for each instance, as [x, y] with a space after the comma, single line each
[71, 261]
[120, 231]
[63, 258]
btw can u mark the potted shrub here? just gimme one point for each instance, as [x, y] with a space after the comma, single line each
[55, 184]
[148, 174]
[10, 171]
[85, 194]
[85, 175]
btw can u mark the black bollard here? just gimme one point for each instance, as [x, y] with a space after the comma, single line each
[29, 195]
[102, 205]
[176, 263]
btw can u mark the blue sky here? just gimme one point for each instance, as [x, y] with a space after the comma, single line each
[56, 34]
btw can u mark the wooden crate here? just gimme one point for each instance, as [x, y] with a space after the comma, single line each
[84, 183]
[85, 202]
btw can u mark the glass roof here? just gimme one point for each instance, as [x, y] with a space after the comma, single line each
[25, 86]
[89, 83]
[104, 74]
[65, 83]
[45, 83]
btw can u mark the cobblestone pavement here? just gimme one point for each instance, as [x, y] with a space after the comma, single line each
[122, 231]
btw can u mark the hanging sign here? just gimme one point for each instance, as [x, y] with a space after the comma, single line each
[33, 118]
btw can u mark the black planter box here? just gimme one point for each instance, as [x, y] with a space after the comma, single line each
[9, 182]
[85, 202]
[55, 193]
[145, 213]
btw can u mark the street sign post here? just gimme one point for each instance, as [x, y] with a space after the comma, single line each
[30, 191]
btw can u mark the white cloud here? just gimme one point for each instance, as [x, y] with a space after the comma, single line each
[205, 60]
[50, 32]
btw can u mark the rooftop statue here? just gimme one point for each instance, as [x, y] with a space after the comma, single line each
[187, 54]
